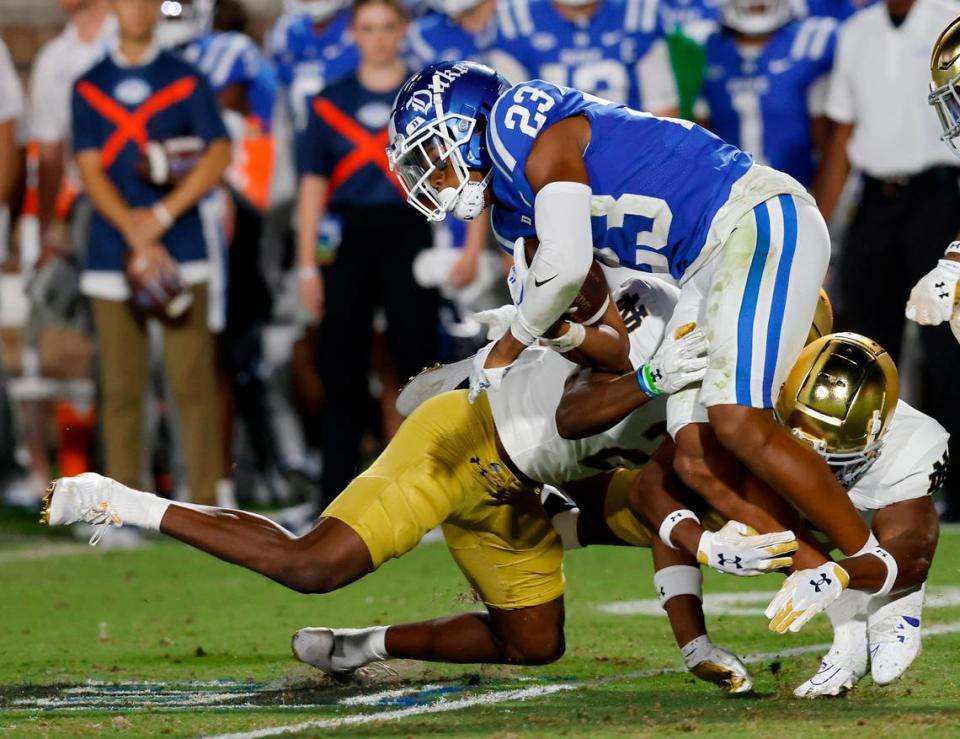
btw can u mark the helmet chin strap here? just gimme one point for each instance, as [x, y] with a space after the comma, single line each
[469, 202]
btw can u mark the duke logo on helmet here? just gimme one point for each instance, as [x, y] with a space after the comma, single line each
[439, 119]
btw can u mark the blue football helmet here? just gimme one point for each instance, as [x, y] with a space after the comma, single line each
[439, 119]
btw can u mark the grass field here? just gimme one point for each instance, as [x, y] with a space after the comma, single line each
[163, 640]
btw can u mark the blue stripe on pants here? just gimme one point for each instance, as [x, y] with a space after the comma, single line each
[748, 308]
[781, 286]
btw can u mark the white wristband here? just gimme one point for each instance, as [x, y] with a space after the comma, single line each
[667, 525]
[307, 272]
[953, 248]
[892, 569]
[573, 338]
[162, 214]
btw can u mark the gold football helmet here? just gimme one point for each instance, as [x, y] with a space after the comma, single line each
[822, 319]
[839, 398]
[945, 75]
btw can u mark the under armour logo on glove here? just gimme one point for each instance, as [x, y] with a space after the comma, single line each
[942, 287]
[657, 375]
[724, 561]
[824, 580]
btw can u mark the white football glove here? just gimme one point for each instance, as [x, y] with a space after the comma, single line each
[676, 364]
[497, 320]
[738, 549]
[482, 378]
[932, 298]
[805, 594]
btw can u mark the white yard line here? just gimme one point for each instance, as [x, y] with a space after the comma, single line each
[506, 696]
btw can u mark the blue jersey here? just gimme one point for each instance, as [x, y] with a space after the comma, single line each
[695, 18]
[657, 182]
[837, 9]
[435, 37]
[760, 104]
[307, 61]
[618, 53]
[117, 110]
[232, 58]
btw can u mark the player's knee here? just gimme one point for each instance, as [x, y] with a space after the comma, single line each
[540, 650]
[914, 571]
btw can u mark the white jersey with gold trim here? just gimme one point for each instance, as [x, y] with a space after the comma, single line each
[524, 408]
[912, 463]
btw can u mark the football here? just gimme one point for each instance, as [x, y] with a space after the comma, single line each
[590, 301]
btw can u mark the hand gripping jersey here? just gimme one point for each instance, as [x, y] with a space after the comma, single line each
[524, 408]
[618, 53]
[233, 58]
[308, 61]
[762, 104]
[658, 183]
[912, 463]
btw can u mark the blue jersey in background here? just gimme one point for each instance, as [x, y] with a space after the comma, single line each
[307, 59]
[229, 58]
[657, 182]
[618, 53]
[759, 101]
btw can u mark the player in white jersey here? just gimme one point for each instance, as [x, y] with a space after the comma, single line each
[890, 475]
[446, 466]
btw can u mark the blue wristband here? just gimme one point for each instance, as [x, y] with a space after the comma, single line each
[645, 380]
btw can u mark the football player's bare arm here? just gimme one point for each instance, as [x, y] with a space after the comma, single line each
[792, 469]
[834, 169]
[8, 155]
[105, 196]
[605, 345]
[909, 531]
[310, 210]
[234, 97]
[718, 477]
[821, 129]
[558, 176]
[594, 401]
[684, 611]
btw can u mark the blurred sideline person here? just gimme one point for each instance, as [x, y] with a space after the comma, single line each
[910, 204]
[90, 28]
[344, 171]
[476, 469]
[11, 111]
[147, 252]
[764, 83]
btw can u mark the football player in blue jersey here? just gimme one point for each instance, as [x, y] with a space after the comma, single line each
[460, 29]
[589, 178]
[613, 48]
[764, 80]
[311, 46]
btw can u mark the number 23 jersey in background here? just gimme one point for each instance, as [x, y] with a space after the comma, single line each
[657, 182]
[762, 102]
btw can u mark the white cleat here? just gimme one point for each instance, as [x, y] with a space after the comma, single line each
[846, 662]
[894, 633]
[725, 670]
[337, 652]
[89, 498]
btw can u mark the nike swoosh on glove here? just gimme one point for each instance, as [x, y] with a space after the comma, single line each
[805, 594]
[933, 298]
[737, 549]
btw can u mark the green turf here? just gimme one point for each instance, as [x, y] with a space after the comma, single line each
[167, 613]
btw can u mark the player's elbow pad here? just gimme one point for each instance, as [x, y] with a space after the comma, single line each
[562, 214]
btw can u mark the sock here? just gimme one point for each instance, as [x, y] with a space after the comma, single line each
[358, 647]
[143, 510]
[696, 651]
